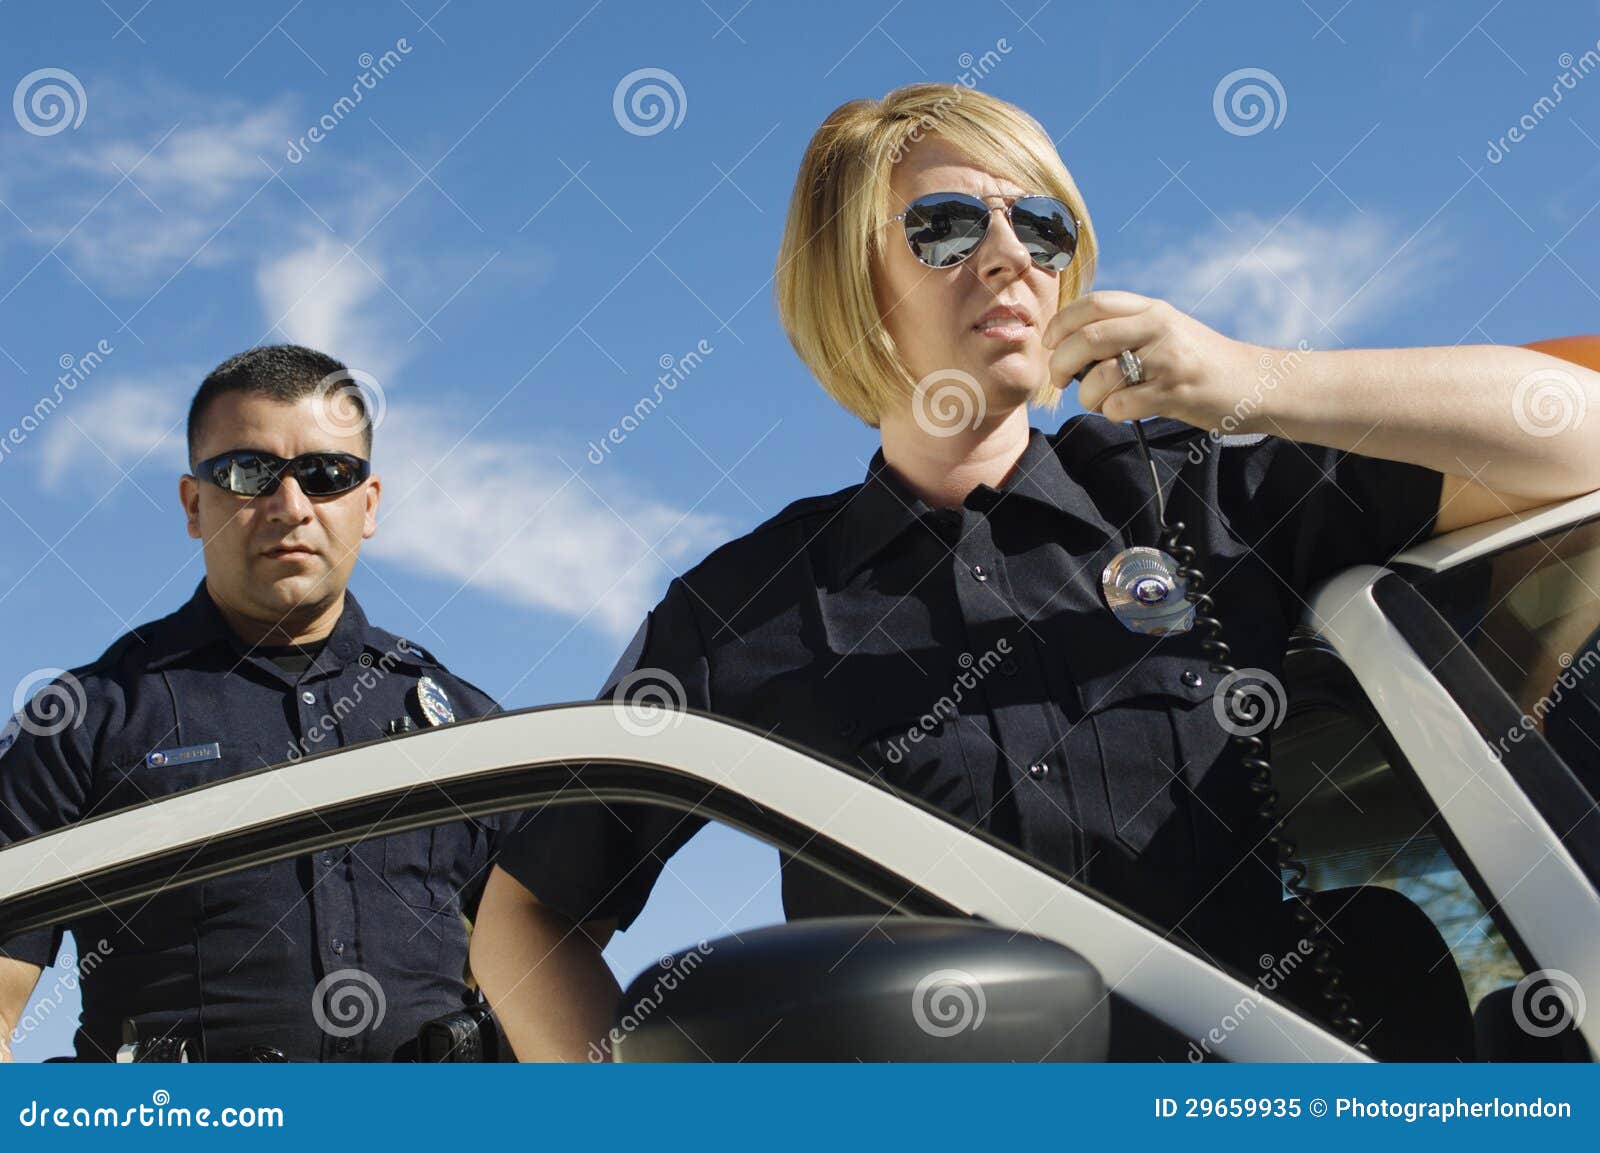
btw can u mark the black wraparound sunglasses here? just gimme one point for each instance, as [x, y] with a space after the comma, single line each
[944, 228]
[246, 472]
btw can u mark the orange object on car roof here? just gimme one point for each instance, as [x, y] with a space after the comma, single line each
[1584, 350]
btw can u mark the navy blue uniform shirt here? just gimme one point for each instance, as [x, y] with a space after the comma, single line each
[273, 955]
[968, 656]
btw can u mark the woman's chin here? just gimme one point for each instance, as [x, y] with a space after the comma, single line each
[1012, 381]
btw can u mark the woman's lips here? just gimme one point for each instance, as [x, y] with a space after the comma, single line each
[1012, 330]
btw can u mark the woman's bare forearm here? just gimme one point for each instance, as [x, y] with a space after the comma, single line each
[544, 976]
[17, 979]
[1507, 417]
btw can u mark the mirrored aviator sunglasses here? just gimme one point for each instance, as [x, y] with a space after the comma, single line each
[944, 228]
[249, 473]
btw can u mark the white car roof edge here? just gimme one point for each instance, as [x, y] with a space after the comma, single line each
[969, 873]
[1464, 544]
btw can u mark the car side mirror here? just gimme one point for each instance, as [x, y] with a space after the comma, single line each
[867, 989]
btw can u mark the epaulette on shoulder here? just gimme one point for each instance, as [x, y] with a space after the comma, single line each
[132, 645]
[404, 649]
[1088, 438]
[810, 506]
[128, 644]
[414, 659]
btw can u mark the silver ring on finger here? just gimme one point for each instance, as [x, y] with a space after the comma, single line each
[1132, 367]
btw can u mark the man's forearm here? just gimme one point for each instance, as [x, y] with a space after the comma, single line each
[545, 977]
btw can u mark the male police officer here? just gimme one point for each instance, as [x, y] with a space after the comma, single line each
[270, 660]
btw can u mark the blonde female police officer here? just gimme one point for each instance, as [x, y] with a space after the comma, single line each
[934, 276]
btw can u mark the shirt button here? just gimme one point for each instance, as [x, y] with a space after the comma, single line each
[338, 947]
[309, 697]
[345, 1045]
[980, 572]
[327, 859]
[1192, 678]
[1009, 666]
[1037, 771]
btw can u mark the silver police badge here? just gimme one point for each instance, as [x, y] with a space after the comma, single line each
[1145, 592]
[433, 702]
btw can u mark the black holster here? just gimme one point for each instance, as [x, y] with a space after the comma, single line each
[469, 1035]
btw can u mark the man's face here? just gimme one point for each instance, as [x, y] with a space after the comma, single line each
[276, 557]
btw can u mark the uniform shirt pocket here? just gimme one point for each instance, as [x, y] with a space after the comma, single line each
[408, 866]
[904, 732]
[921, 754]
[1153, 721]
[425, 871]
[428, 868]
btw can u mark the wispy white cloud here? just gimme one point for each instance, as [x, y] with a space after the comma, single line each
[143, 201]
[322, 295]
[1304, 279]
[110, 426]
[508, 518]
[201, 165]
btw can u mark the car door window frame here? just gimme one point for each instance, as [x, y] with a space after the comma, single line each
[1443, 708]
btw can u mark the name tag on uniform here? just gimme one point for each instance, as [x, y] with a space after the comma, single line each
[187, 755]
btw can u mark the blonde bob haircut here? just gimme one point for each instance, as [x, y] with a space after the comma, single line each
[837, 227]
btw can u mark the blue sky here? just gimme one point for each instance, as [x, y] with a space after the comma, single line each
[485, 236]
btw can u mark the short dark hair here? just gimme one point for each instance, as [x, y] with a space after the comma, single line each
[282, 372]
